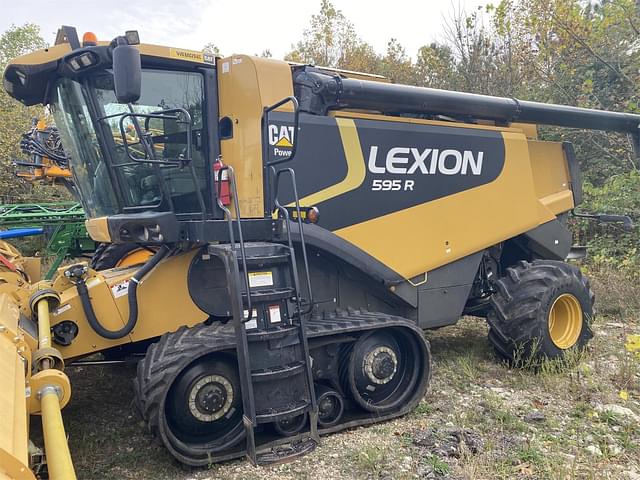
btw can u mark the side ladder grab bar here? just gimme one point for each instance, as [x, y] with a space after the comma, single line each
[227, 212]
[285, 214]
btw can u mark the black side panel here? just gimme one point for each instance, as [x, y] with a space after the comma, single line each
[392, 167]
[339, 285]
[574, 172]
[324, 240]
[442, 297]
[345, 276]
[551, 240]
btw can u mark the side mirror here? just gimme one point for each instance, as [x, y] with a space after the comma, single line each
[127, 73]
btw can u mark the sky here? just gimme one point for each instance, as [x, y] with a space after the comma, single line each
[236, 26]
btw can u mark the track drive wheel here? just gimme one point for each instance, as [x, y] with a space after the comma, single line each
[387, 370]
[111, 255]
[541, 310]
[190, 395]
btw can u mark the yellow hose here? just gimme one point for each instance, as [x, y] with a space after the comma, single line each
[55, 440]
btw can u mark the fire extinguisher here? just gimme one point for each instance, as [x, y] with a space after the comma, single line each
[222, 176]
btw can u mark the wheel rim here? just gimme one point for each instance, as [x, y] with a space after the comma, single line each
[210, 398]
[135, 257]
[330, 408]
[291, 425]
[204, 407]
[384, 370]
[565, 321]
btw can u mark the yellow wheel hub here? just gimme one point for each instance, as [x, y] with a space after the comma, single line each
[565, 321]
[134, 257]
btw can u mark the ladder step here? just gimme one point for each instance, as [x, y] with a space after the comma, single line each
[276, 333]
[286, 453]
[276, 373]
[269, 295]
[264, 260]
[289, 411]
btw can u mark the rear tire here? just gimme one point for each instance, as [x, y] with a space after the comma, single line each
[540, 311]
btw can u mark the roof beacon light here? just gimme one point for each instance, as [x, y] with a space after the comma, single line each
[89, 39]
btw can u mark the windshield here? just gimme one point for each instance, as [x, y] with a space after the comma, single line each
[91, 125]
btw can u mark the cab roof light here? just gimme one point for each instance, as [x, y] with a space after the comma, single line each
[132, 37]
[89, 39]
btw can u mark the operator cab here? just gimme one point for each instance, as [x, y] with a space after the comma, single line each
[138, 123]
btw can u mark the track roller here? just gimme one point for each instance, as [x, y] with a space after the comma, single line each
[386, 370]
[330, 406]
[287, 427]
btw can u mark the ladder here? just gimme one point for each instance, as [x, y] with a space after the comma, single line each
[269, 323]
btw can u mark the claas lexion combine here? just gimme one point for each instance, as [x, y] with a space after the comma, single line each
[307, 225]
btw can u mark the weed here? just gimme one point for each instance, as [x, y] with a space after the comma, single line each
[438, 465]
[468, 367]
[424, 408]
[530, 454]
[371, 459]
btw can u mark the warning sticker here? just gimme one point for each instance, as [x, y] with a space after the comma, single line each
[62, 309]
[274, 313]
[120, 289]
[253, 323]
[260, 279]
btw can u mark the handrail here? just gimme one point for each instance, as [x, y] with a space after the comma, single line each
[227, 211]
[285, 213]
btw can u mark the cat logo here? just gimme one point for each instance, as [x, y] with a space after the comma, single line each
[281, 137]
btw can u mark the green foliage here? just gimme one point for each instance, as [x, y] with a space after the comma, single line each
[439, 466]
[211, 49]
[16, 118]
[608, 243]
[329, 41]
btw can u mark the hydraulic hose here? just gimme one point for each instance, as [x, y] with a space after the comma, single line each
[83, 292]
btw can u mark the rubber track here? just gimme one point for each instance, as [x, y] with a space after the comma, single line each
[165, 359]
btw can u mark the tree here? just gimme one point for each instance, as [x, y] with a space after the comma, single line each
[330, 40]
[434, 67]
[211, 49]
[15, 118]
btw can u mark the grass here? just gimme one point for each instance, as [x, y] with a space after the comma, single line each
[471, 394]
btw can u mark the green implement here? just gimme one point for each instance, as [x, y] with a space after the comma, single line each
[63, 225]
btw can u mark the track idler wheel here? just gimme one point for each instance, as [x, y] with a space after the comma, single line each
[387, 370]
[290, 426]
[330, 406]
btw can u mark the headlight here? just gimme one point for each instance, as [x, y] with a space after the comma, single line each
[82, 61]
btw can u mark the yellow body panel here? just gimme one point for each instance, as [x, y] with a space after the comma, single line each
[58, 51]
[247, 85]
[14, 428]
[550, 172]
[163, 300]
[98, 229]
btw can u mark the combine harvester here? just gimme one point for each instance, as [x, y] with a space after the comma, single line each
[308, 225]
